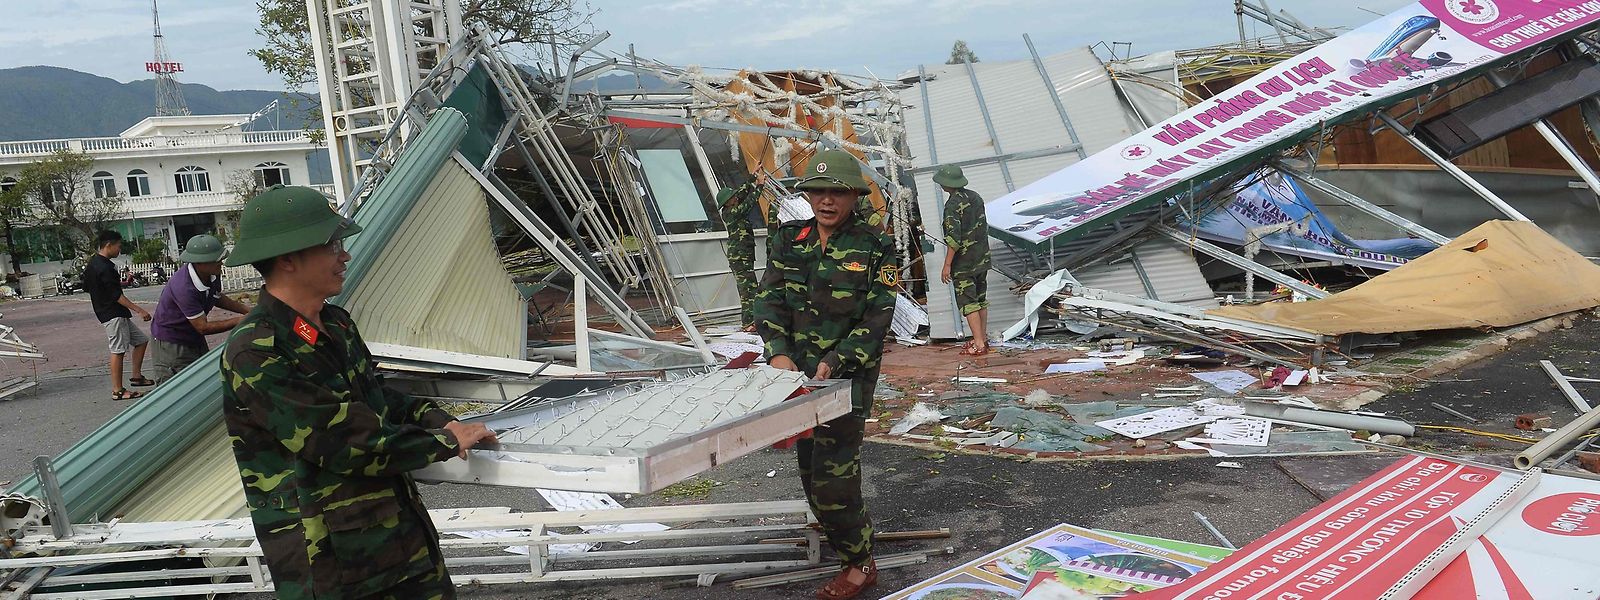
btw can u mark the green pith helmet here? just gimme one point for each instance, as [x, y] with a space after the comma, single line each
[286, 219]
[723, 195]
[834, 170]
[950, 176]
[202, 249]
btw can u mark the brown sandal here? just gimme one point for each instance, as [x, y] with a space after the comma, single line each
[840, 588]
[126, 394]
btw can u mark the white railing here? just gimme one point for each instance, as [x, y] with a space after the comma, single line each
[145, 206]
[178, 203]
[117, 144]
[234, 279]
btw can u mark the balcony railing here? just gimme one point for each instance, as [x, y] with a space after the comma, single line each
[156, 206]
[119, 144]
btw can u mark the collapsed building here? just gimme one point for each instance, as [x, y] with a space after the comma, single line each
[532, 238]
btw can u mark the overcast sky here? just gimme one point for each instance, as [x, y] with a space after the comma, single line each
[210, 37]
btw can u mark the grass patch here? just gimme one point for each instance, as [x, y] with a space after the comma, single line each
[693, 488]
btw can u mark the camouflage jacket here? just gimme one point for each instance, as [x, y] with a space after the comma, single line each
[966, 232]
[736, 215]
[829, 305]
[324, 451]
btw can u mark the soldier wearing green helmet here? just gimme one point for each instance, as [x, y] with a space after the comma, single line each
[324, 449]
[966, 257]
[182, 318]
[824, 306]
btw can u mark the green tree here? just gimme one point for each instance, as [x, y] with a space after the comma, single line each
[960, 53]
[56, 193]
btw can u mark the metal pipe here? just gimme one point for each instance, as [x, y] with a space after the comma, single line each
[988, 122]
[1555, 441]
[1216, 533]
[1565, 385]
[1360, 204]
[1055, 97]
[1328, 418]
[1452, 169]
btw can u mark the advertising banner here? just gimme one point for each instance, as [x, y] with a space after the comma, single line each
[1391, 58]
[1423, 528]
[1276, 213]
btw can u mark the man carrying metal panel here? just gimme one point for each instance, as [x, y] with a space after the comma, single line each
[966, 260]
[181, 324]
[824, 306]
[735, 205]
[324, 450]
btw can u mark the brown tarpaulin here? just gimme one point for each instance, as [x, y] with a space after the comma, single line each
[1518, 275]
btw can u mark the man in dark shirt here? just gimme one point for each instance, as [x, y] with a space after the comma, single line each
[115, 311]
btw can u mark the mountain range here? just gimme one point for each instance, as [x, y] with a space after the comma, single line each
[53, 102]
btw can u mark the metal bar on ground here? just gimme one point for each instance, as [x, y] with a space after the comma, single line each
[56, 503]
[1565, 385]
[1449, 167]
[1250, 266]
[1360, 204]
[1216, 533]
[885, 562]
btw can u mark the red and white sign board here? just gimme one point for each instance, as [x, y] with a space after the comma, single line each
[1423, 528]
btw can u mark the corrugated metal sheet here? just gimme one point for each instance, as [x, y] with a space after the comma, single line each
[200, 483]
[1026, 120]
[440, 283]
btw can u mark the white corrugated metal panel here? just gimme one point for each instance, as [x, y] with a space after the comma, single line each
[201, 483]
[439, 283]
[1026, 120]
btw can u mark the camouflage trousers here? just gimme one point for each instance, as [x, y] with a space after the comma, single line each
[431, 586]
[971, 292]
[830, 471]
[742, 260]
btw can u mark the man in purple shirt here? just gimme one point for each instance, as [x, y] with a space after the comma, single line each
[181, 325]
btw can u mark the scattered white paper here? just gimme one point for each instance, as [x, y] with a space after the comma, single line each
[1295, 378]
[1236, 432]
[772, 473]
[564, 501]
[480, 534]
[1231, 381]
[733, 349]
[1230, 465]
[1076, 367]
[1147, 424]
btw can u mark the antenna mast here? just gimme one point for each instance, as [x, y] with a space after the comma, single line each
[169, 96]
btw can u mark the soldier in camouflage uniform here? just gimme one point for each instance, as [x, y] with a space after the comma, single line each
[966, 261]
[735, 205]
[825, 304]
[323, 448]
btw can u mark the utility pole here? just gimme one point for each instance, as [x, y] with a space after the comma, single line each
[169, 95]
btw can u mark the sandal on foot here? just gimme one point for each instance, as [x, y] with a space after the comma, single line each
[141, 381]
[841, 588]
[126, 394]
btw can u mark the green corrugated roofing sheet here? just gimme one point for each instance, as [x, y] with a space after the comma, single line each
[98, 472]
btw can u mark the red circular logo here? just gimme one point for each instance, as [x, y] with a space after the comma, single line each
[1570, 514]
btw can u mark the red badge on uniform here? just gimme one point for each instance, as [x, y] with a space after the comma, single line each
[803, 234]
[305, 331]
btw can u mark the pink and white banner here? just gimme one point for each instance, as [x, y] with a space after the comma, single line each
[1423, 528]
[1408, 50]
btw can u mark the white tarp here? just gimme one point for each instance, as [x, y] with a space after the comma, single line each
[1396, 56]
